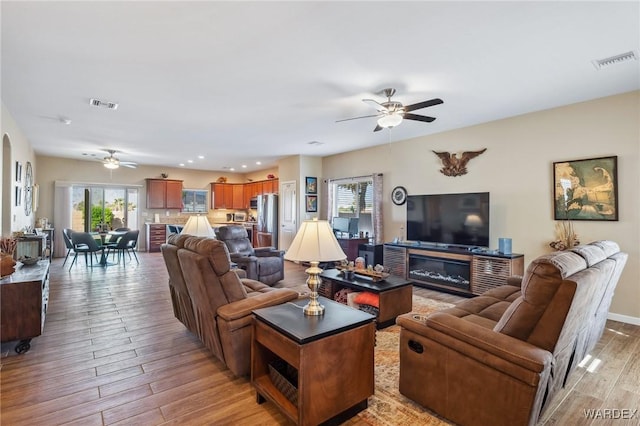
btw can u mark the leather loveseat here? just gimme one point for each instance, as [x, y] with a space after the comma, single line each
[213, 301]
[264, 264]
[500, 358]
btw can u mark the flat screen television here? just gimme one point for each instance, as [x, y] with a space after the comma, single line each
[451, 219]
[340, 224]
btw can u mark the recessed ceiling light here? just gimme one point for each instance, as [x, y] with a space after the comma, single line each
[181, 164]
[244, 166]
[103, 104]
[258, 162]
[201, 157]
[232, 169]
[189, 161]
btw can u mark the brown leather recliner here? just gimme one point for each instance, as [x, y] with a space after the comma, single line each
[264, 264]
[180, 299]
[501, 357]
[221, 301]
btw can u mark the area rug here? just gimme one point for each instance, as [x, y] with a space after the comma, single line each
[387, 407]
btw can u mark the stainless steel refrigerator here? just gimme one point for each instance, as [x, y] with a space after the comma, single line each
[267, 229]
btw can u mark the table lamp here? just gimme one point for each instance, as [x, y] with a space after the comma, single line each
[198, 226]
[314, 243]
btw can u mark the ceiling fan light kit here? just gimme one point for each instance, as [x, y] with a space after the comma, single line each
[390, 120]
[393, 113]
[111, 162]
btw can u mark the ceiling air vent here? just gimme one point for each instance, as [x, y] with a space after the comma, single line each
[606, 62]
[103, 104]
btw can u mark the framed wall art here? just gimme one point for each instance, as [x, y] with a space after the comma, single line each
[586, 189]
[312, 203]
[18, 172]
[311, 186]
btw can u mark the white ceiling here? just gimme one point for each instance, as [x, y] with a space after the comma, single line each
[240, 82]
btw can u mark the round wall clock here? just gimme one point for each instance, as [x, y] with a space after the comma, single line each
[28, 188]
[399, 195]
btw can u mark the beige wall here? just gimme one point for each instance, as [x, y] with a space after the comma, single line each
[20, 150]
[517, 171]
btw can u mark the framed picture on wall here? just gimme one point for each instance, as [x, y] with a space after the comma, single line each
[312, 203]
[18, 195]
[18, 172]
[586, 189]
[311, 186]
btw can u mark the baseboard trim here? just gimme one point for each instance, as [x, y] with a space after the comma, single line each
[624, 318]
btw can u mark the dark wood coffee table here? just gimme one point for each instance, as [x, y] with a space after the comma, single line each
[395, 293]
[332, 355]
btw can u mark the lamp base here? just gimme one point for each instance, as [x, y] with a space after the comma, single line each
[313, 281]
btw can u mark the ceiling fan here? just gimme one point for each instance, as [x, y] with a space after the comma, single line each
[392, 113]
[111, 162]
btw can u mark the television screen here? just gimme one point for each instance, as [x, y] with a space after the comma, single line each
[353, 226]
[457, 219]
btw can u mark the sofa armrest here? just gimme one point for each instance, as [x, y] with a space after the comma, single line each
[460, 334]
[242, 308]
[242, 259]
[268, 252]
[515, 280]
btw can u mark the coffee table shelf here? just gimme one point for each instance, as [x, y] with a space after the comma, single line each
[395, 293]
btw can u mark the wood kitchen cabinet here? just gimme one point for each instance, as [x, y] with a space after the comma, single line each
[222, 195]
[164, 194]
[238, 196]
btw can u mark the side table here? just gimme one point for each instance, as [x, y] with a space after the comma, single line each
[332, 355]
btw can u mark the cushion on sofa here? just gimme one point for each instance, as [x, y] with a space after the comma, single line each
[217, 256]
[543, 279]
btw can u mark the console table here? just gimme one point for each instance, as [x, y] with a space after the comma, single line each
[395, 293]
[332, 352]
[24, 296]
[453, 269]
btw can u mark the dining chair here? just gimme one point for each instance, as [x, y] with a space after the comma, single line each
[66, 234]
[115, 238]
[126, 244]
[83, 242]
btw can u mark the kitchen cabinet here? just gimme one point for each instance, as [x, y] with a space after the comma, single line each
[164, 194]
[222, 195]
[238, 196]
[270, 186]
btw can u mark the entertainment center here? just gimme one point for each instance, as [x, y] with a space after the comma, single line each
[448, 245]
[455, 269]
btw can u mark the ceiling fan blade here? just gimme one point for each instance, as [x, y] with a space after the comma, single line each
[377, 105]
[128, 164]
[419, 105]
[416, 117]
[356, 118]
[378, 128]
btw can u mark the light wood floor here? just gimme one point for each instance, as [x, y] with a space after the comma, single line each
[113, 354]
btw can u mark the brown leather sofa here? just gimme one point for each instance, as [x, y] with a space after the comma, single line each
[217, 304]
[264, 264]
[499, 358]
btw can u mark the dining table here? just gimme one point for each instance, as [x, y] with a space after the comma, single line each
[103, 239]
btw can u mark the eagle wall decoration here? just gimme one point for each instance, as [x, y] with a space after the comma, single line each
[454, 165]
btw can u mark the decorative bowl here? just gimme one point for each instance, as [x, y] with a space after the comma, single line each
[28, 261]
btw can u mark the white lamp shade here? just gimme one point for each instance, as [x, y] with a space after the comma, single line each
[315, 241]
[390, 120]
[198, 226]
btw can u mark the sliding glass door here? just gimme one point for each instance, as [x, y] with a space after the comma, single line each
[96, 206]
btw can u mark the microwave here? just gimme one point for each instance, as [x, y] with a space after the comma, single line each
[253, 203]
[239, 217]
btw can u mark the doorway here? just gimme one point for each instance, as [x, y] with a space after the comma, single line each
[288, 224]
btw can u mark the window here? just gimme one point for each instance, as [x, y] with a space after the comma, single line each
[194, 200]
[353, 198]
[116, 207]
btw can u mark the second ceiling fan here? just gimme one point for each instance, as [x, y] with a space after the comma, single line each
[392, 113]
